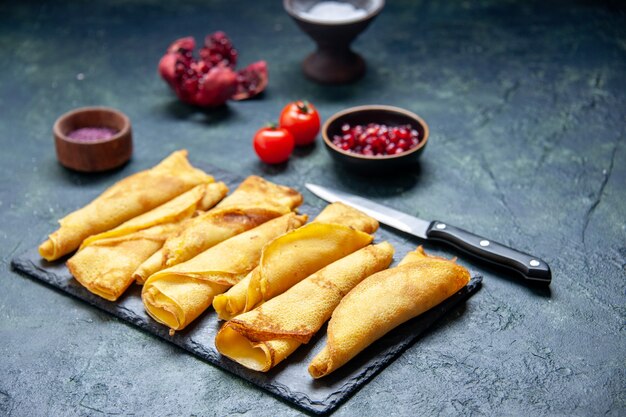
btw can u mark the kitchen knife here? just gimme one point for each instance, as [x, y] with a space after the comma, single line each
[531, 267]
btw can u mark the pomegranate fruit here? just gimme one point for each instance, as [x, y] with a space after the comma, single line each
[211, 80]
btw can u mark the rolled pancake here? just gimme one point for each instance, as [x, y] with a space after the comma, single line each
[233, 302]
[340, 213]
[254, 202]
[124, 200]
[106, 266]
[384, 301]
[263, 337]
[150, 266]
[200, 198]
[336, 232]
[177, 295]
[105, 263]
[418, 255]
[255, 191]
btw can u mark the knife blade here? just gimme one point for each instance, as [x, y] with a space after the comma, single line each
[530, 267]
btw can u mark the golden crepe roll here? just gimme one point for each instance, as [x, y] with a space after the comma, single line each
[150, 266]
[349, 216]
[106, 266]
[200, 198]
[106, 262]
[263, 337]
[233, 302]
[254, 202]
[124, 200]
[178, 295]
[336, 232]
[255, 191]
[382, 302]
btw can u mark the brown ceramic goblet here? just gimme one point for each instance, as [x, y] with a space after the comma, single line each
[333, 62]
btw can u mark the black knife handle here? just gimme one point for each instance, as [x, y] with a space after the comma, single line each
[530, 266]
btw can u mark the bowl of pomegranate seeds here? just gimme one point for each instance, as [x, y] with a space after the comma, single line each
[375, 138]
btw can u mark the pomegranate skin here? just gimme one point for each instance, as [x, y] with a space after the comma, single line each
[183, 44]
[167, 68]
[251, 80]
[180, 51]
[216, 87]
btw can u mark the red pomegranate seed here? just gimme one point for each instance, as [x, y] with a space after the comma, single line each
[376, 139]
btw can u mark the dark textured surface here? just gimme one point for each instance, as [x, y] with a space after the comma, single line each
[290, 380]
[526, 104]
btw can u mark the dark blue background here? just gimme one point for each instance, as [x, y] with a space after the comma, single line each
[526, 106]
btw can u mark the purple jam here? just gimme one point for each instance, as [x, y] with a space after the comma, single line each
[92, 134]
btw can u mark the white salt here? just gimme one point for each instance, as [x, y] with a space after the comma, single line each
[333, 12]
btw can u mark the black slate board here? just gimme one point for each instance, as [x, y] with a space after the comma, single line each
[290, 379]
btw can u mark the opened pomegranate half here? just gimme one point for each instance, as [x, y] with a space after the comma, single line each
[211, 80]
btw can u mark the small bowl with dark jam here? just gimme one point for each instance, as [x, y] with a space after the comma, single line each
[375, 138]
[93, 139]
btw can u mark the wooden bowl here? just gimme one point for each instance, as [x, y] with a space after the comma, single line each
[97, 155]
[388, 115]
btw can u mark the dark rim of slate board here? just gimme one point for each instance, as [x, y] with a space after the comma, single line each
[289, 380]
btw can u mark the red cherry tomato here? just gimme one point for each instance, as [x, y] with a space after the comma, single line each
[302, 120]
[273, 144]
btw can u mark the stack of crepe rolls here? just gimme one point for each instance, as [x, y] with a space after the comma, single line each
[338, 231]
[124, 200]
[253, 203]
[177, 295]
[384, 301]
[263, 337]
[105, 262]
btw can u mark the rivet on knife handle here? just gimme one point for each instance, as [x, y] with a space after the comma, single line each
[530, 266]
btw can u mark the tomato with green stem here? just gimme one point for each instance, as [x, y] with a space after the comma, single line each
[302, 120]
[273, 144]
